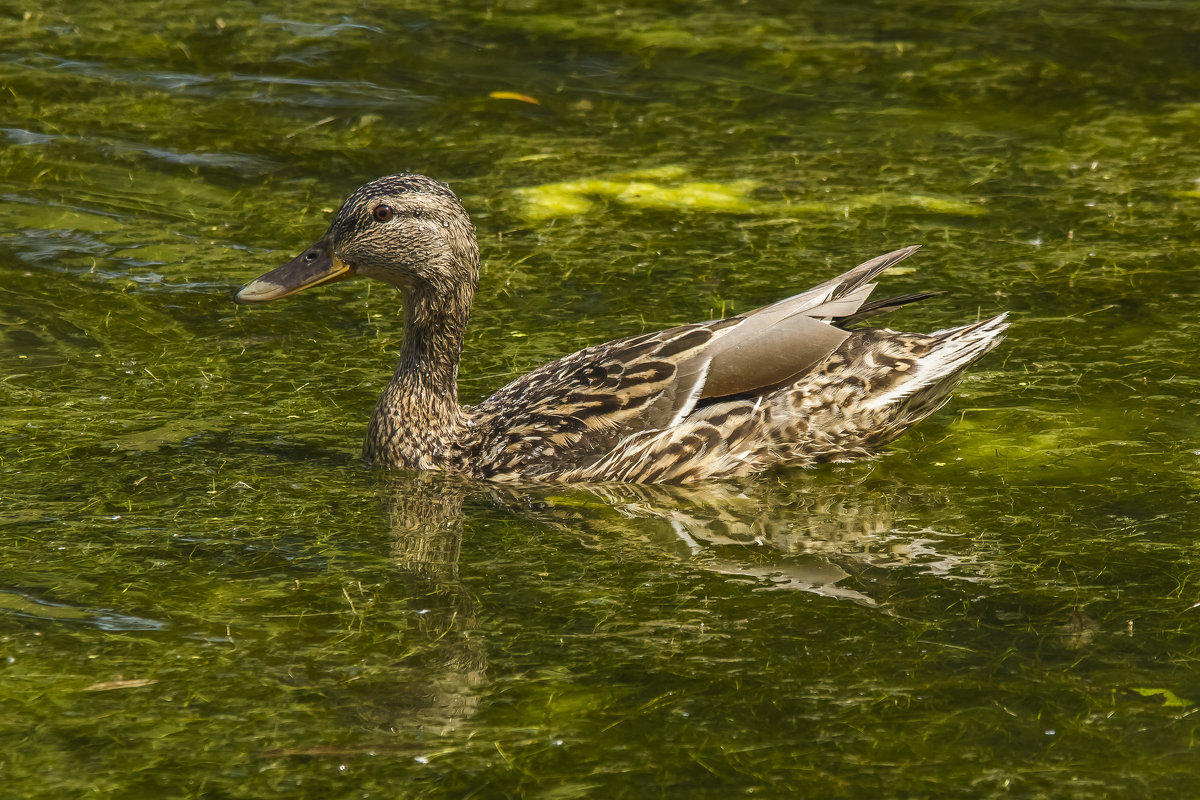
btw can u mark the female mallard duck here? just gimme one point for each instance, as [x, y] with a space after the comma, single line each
[788, 383]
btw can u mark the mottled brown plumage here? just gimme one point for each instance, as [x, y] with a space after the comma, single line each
[784, 384]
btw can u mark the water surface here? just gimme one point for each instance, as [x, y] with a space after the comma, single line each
[203, 593]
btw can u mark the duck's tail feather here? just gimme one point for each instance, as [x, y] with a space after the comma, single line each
[937, 372]
[882, 306]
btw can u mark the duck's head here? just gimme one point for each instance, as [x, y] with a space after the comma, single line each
[408, 230]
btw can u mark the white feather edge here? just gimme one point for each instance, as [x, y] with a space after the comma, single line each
[693, 395]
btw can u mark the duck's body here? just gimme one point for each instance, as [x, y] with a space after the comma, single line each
[785, 384]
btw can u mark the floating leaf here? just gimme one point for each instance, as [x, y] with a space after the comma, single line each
[524, 98]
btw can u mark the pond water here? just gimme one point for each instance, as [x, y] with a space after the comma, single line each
[203, 593]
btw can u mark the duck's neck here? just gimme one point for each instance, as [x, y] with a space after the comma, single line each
[418, 418]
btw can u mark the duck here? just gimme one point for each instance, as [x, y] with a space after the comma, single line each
[792, 384]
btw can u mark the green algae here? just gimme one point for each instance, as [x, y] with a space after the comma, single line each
[572, 197]
[577, 197]
[1166, 697]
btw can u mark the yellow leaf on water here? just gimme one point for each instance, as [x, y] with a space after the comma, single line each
[524, 98]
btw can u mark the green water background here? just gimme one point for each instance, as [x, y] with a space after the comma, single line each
[204, 594]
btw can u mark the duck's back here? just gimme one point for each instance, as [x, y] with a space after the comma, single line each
[781, 385]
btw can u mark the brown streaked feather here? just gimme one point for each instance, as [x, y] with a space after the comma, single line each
[687, 403]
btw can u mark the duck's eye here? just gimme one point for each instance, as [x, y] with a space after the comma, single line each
[382, 213]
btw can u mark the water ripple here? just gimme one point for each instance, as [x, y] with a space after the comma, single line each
[21, 604]
[236, 86]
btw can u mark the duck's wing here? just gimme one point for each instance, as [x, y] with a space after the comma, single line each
[777, 343]
[580, 406]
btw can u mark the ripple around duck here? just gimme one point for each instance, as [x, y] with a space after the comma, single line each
[21, 604]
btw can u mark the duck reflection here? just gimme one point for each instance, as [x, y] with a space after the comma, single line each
[736, 529]
[836, 540]
[425, 512]
[800, 533]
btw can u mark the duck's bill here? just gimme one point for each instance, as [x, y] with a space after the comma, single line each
[313, 267]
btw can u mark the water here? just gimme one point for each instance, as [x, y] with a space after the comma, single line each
[204, 594]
